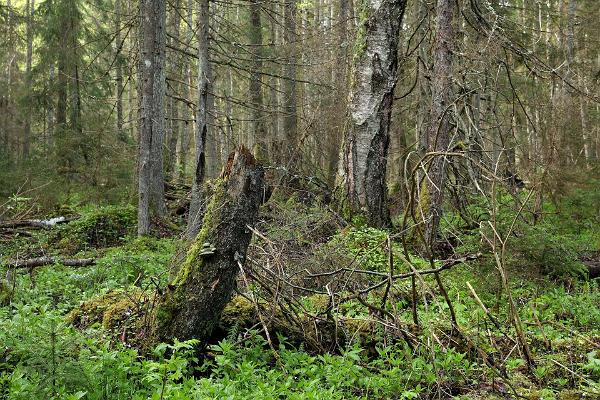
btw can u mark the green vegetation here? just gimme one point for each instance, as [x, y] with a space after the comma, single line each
[78, 333]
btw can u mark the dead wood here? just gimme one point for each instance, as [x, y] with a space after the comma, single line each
[42, 261]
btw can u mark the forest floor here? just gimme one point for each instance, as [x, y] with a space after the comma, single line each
[72, 332]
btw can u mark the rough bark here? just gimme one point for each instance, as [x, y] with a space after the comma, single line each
[367, 140]
[195, 299]
[438, 131]
[150, 163]
[204, 73]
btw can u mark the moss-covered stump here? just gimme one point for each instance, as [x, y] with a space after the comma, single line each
[123, 313]
[192, 304]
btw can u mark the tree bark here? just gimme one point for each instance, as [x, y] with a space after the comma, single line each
[438, 131]
[151, 178]
[119, 70]
[204, 76]
[195, 299]
[367, 140]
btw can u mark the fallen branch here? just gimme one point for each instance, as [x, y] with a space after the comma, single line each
[42, 261]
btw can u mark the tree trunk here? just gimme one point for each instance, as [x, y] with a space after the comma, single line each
[438, 132]
[151, 178]
[188, 125]
[177, 75]
[119, 70]
[257, 129]
[195, 299]
[290, 124]
[367, 140]
[30, 6]
[195, 215]
[341, 96]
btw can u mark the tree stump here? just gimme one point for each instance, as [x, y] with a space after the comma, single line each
[195, 299]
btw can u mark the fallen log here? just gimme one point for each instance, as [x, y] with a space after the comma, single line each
[36, 223]
[42, 261]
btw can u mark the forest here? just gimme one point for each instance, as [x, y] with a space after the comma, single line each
[300, 199]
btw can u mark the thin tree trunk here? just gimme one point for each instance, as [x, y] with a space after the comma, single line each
[177, 74]
[30, 5]
[119, 71]
[188, 127]
[438, 132]
[290, 124]
[367, 140]
[341, 95]
[258, 132]
[195, 214]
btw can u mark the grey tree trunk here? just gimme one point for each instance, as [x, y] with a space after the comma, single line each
[204, 75]
[195, 299]
[119, 70]
[367, 139]
[290, 105]
[274, 96]
[30, 6]
[438, 131]
[152, 121]
[188, 126]
[258, 133]
[341, 96]
[175, 105]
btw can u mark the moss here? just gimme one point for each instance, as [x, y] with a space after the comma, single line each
[193, 260]
[239, 311]
[111, 309]
[100, 227]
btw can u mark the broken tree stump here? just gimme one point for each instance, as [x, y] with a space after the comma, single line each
[193, 302]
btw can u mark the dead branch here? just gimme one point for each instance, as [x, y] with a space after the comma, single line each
[36, 223]
[42, 261]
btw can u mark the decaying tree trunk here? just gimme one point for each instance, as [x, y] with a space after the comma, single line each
[194, 301]
[366, 146]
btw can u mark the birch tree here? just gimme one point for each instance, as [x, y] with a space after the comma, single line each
[367, 140]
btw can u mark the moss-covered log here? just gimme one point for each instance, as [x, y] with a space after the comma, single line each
[195, 299]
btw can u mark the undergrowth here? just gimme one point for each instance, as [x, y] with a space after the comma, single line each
[43, 356]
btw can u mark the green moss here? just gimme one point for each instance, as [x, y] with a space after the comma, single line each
[239, 311]
[193, 260]
[110, 310]
[98, 227]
